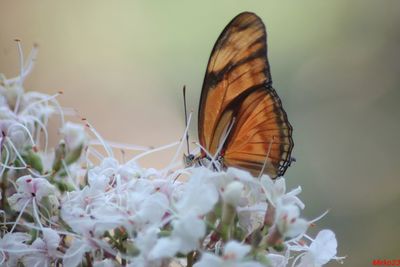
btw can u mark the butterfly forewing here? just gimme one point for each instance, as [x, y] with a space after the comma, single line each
[234, 67]
[237, 92]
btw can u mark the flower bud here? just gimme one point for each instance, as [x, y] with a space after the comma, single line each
[74, 135]
[33, 160]
[59, 156]
[233, 193]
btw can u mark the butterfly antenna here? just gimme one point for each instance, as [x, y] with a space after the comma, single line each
[266, 159]
[186, 118]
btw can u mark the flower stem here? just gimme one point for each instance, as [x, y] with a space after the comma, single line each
[4, 185]
[190, 258]
[88, 259]
[228, 216]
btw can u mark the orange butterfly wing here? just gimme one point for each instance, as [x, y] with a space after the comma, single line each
[237, 91]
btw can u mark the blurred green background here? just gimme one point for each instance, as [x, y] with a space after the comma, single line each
[335, 64]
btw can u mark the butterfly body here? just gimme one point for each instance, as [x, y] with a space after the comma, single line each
[241, 120]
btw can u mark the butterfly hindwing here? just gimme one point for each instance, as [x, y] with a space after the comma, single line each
[261, 129]
[237, 92]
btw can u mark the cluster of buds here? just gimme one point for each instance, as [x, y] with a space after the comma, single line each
[71, 205]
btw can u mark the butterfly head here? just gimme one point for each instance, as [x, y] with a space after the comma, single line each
[200, 160]
[195, 160]
[189, 160]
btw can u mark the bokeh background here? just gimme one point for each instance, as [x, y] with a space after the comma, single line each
[335, 64]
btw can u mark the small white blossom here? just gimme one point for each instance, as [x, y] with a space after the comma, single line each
[197, 198]
[12, 248]
[288, 222]
[233, 256]
[275, 191]
[187, 231]
[276, 260]
[251, 217]
[74, 254]
[233, 193]
[74, 135]
[143, 209]
[199, 194]
[30, 189]
[44, 251]
[145, 242]
[322, 249]
[104, 263]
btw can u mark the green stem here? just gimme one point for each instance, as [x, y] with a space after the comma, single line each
[190, 259]
[228, 217]
[4, 185]
[88, 259]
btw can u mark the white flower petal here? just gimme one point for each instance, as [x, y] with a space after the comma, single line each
[277, 260]
[209, 260]
[104, 263]
[51, 238]
[165, 247]
[237, 249]
[241, 175]
[232, 194]
[73, 256]
[324, 247]
[74, 135]
[188, 230]
[299, 227]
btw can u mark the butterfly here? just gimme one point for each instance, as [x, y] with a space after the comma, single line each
[241, 121]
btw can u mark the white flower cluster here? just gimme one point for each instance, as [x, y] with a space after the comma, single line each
[59, 207]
